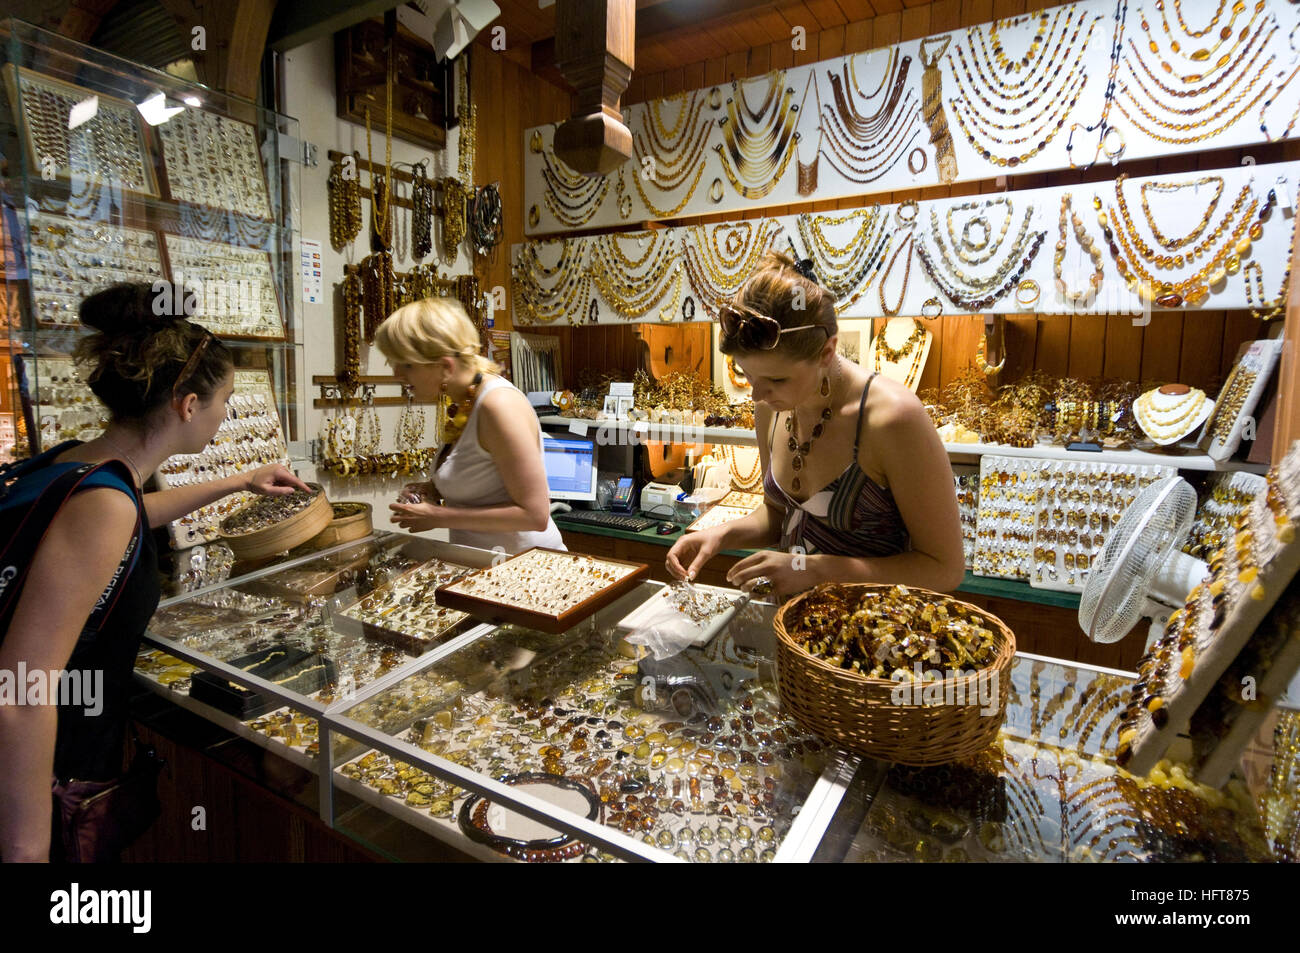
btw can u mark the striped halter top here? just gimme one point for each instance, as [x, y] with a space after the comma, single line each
[852, 516]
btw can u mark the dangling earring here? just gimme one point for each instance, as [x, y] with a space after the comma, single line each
[826, 386]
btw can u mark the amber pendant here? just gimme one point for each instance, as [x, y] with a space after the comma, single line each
[797, 462]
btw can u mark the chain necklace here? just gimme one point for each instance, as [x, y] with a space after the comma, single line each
[453, 217]
[1175, 261]
[1173, 244]
[750, 481]
[932, 108]
[806, 173]
[379, 204]
[972, 283]
[674, 152]
[716, 278]
[422, 208]
[1085, 241]
[895, 355]
[467, 140]
[126, 457]
[350, 375]
[913, 369]
[1266, 310]
[1198, 91]
[801, 449]
[1004, 279]
[846, 271]
[968, 251]
[573, 198]
[759, 143]
[908, 241]
[344, 207]
[1194, 288]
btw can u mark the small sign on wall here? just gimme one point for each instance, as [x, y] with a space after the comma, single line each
[310, 258]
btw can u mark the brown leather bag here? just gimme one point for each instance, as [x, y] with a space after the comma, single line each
[97, 820]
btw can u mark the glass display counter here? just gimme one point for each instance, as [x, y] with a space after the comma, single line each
[506, 743]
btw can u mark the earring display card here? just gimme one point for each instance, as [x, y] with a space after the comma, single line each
[71, 132]
[1219, 617]
[404, 612]
[237, 292]
[966, 482]
[214, 160]
[1230, 421]
[62, 405]
[1079, 505]
[249, 437]
[1224, 498]
[71, 259]
[543, 589]
[1009, 491]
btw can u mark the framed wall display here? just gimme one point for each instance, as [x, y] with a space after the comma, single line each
[61, 405]
[70, 258]
[238, 296]
[249, 437]
[423, 94]
[70, 132]
[214, 160]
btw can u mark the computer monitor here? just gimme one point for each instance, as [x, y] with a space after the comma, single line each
[570, 467]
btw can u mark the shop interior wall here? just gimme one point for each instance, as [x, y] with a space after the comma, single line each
[309, 97]
[1196, 348]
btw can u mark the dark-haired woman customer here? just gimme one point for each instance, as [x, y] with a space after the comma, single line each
[165, 381]
[857, 485]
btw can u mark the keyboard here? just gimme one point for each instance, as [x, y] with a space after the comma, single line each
[624, 521]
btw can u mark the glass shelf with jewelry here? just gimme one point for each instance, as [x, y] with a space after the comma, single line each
[121, 173]
[687, 757]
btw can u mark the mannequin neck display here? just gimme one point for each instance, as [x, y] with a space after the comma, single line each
[900, 350]
[1170, 413]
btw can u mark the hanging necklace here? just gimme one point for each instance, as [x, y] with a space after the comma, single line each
[895, 355]
[379, 197]
[806, 173]
[885, 309]
[801, 449]
[1087, 244]
[746, 482]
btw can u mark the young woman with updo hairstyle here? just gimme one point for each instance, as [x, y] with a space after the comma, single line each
[489, 477]
[874, 498]
[165, 382]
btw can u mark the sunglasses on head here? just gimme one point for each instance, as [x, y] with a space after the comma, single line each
[757, 332]
[190, 365]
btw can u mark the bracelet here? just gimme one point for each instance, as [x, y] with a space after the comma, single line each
[918, 151]
[534, 216]
[1027, 287]
[932, 303]
[907, 219]
[1113, 155]
[715, 191]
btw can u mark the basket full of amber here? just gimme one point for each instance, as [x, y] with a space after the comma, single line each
[273, 524]
[895, 673]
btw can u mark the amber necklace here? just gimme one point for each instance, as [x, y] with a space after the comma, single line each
[458, 416]
[800, 449]
[380, 204]
[885, 309]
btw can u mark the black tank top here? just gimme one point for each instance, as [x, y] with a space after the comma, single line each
[89, 746]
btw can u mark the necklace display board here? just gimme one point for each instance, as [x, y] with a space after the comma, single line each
[1219, 617]
[1062, 88]
[199, 195]
[1239, 397]
[1167, 242]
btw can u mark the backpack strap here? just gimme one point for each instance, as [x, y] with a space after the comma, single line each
[26, 537]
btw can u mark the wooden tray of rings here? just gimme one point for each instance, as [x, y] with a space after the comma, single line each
[548, 590]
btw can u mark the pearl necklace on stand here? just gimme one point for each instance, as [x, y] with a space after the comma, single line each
[1168, 418]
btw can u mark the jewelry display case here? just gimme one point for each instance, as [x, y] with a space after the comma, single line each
[118, 172]
[507, 743]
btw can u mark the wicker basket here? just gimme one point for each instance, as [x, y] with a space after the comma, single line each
[860, 713]
[284, 535]
[346, 527]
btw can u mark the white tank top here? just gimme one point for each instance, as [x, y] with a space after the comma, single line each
[469, 478]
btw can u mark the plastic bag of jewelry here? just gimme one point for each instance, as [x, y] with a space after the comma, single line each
[666, 637]
[678, 617]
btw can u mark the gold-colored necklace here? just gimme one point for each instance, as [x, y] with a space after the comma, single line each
[1175, 261]
[1162, 423]
[895, 355]
[907, 242]
[745, 482]
[737, 376]
[673, 156]
[1173, 244]
[379, 207]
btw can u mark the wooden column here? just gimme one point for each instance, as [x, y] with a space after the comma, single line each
[595, 50]
[1287, 427]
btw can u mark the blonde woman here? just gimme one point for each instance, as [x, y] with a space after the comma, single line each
[489, 473]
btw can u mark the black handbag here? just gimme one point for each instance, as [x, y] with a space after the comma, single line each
[96, 820]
